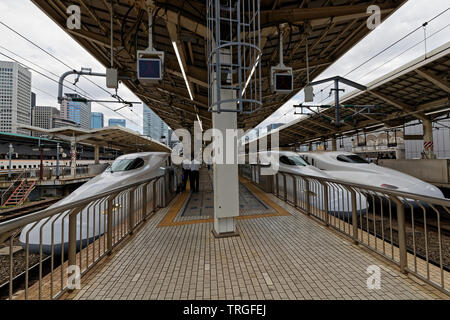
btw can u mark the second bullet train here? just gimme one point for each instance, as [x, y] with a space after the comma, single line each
[339, 203]
[125, 170]
[347, 166]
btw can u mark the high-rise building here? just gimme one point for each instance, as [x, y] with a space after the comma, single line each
[154, 126]
[97, 121]
[15, 97]
[76, 111]
[43, 116]
[117, 122]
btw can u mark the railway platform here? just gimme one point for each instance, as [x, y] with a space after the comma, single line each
[280, 253]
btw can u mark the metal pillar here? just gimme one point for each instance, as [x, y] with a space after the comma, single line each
[336, 98]
[57, 160]
[428, 140]
[73, 155]
[310, 146]
[10, 161]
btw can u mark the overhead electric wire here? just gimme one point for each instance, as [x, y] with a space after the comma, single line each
[393, 44]
[52, 73]
[56, 81]
[384, 50]
[50, 54]
[88, 95]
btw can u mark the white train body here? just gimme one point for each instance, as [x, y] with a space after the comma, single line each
[347, 166]
[125, 170]
[290, 162]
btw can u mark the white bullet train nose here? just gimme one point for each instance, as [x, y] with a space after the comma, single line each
[124, 171]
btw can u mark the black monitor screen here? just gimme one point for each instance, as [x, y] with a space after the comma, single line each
[150, 69]
[283, 82]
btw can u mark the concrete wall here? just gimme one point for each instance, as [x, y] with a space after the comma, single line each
[434, 171]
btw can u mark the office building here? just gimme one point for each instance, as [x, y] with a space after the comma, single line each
[76, 111]
[97, 120]
[43, 116]
[154, 127]
[117, 122]
[15, 97]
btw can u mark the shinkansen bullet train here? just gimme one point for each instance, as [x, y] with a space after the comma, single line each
[347, 166]
[339, 203]
[125, 170]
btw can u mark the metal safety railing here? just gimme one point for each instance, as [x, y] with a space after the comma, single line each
[60, 244]
[410, 230]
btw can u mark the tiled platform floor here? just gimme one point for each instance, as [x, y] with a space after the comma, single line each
[279, 257]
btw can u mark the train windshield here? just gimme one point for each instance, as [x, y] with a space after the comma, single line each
[293, 161]
[127, 164]
[351, 158]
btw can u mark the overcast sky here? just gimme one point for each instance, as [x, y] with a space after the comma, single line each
[27, 19]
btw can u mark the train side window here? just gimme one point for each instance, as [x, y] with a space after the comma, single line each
[351, 158]
[3, 167]
[127, 165]
[293, 161]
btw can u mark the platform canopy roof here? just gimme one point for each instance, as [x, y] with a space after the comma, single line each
[334, 27]
[116, 137]
[416, 91]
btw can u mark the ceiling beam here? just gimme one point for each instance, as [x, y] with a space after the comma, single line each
[340, 13]
[400, 105]
[437, 81]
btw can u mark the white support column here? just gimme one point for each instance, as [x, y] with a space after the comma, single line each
[428, 140]
[226, 180]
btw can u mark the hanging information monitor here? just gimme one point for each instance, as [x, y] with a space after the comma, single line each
[282, 79]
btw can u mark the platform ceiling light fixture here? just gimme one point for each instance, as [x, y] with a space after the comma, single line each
[177, 53]
[200, 122]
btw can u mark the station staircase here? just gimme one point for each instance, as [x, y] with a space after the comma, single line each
[20, 193]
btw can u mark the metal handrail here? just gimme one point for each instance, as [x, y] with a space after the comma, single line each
[79, 233]
[374, 217]
[13, 224]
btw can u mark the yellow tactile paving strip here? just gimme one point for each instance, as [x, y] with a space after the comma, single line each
[169, 219]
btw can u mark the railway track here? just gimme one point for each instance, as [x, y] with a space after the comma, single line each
[12, 213]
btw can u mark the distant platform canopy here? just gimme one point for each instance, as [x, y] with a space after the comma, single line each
[328, 28]
[116, 137]
[418, 90]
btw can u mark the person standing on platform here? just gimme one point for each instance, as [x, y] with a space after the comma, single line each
[195, 175]
[186, 164]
